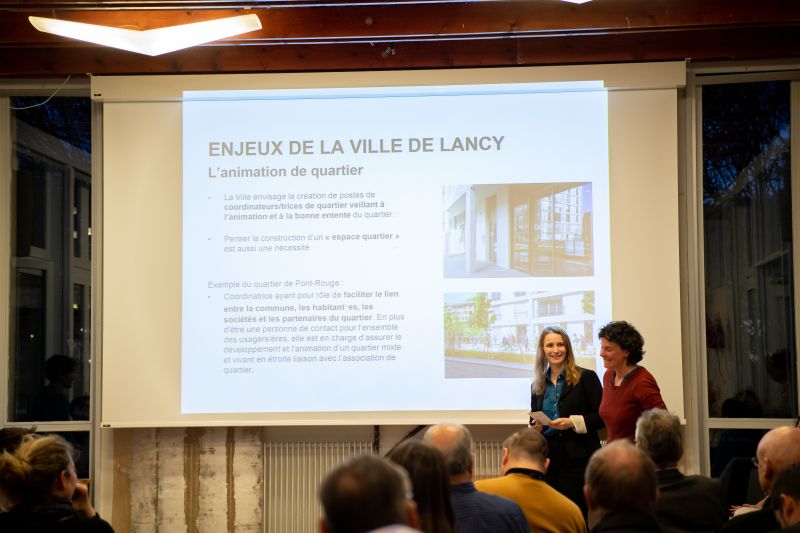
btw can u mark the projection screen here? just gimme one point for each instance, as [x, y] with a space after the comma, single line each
[379, 248]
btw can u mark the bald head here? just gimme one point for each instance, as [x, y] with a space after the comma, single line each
[455, 443]
[777, 450]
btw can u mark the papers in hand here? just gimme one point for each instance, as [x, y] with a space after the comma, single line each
[540, 417]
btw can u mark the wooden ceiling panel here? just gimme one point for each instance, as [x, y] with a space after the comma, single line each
[335, 35]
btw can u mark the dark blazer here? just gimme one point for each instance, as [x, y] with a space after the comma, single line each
[689, 503]
[794, 528]
[756, 522]
[581, 399]
[627, 522]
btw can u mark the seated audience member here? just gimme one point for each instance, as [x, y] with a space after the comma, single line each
[523, 466]
[785, 498]
[367, 493]
[475, 511]
[52, 402]
[620, 490]
[685, 503]
[39, 477]
[777, 450]
[429, 482]
[11, 438]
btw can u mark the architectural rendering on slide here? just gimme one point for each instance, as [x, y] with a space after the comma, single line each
[494, 334]
[526, 229]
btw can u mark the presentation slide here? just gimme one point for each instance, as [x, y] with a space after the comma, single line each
[389, 248]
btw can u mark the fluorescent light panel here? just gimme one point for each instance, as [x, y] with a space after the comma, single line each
[150, 42]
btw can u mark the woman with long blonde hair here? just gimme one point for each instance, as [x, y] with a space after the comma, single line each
[569, 396]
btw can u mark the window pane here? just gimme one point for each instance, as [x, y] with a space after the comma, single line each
[29, 341]
[748, 250]
[732, 451]
[50, 266]
[31, 204]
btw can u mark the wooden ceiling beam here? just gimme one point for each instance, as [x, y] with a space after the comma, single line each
[679, 44]
[403, 19]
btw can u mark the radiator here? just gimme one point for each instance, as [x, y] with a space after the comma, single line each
[293, 473]
[295, 470]
[487, 459]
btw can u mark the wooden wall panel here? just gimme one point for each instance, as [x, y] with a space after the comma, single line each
[195, 480]
[122, 501]
[142, 478]
[247, 464]
[212, 498]
[170, 480]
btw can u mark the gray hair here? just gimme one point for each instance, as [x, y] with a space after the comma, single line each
[457, 456]
[658, 434]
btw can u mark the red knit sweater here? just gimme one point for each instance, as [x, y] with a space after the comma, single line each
[621, 406]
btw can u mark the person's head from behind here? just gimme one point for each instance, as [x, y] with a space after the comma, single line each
[619, 477]
[79, 408]
[60, 369]
[785, 497]
[658, 434]
[525, 448]
[455, 443]
[777, 450]
[430, 483]
[365, 493]
[41, 467]
[620, 344]
[10, 439]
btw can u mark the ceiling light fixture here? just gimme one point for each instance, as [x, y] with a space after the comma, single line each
[150, 42]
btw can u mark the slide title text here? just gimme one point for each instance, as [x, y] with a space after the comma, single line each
[485, 143]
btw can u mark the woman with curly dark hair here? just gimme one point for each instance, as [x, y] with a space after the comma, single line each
[628, 388]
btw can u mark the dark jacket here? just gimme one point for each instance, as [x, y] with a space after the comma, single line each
[52, 516]
[759, 521]
[689, 503]
[627, 522]
[580, 399]
[481, 512]
[795, 528]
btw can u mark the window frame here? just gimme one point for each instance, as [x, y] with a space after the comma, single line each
[78, 87]
[697, 432]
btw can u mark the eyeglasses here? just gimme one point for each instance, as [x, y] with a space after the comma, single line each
[754, 460]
